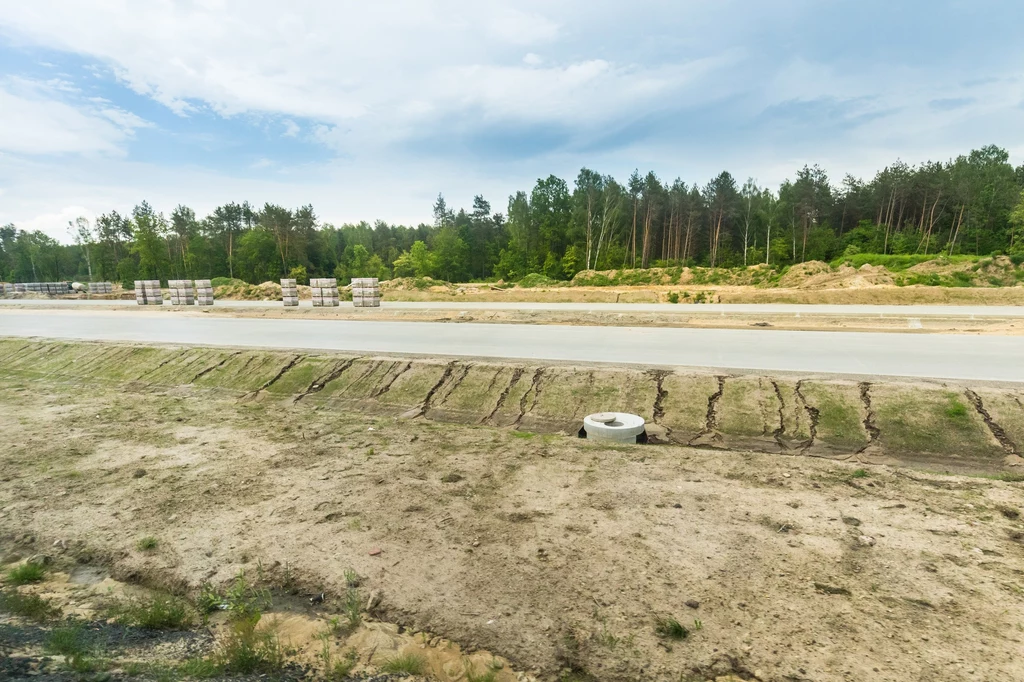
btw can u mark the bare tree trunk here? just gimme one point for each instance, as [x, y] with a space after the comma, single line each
[956, 232]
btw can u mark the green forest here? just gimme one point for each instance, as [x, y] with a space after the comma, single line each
[972, 205]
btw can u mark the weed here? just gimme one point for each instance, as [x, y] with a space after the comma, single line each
[523, 434]
[352, 609]
[352, 579]
[147, 544]
[697, 625]
[410, 664]
[859, 473]
[30, 606]
[248, 650]
[210, 599]
[673, 297]
[335, 671]
[607, 639]
[26, 573]
[670, 628]
[161, 612]
[246, 601]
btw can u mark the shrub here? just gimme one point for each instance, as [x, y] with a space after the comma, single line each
[536, 280]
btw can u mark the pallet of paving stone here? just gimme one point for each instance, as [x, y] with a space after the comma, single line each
[325, 292]
[289, 293]
[366, 292]
[181, 292]
[101, 288]
[148, 292]
[204, 292]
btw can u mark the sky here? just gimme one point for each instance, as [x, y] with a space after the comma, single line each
[368, 110]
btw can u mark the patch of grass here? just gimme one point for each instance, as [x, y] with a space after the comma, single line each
[673, 297]
[859, 473]
[248, 650]
[523, 434]
[26, 573]
[1006, 476]
[200, 669]
[161, 612]
[670, 628]
[69, 641]
[29, 606]
[147, 544]
[410, 664]
[955, 409]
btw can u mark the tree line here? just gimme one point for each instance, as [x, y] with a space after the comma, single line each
[973, 204]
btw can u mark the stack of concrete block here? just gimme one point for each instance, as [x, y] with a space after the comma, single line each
[147, 292]
[204, 292]
[365, 292]
[20, 287]
[181, 292]
[6, 288]
[289, 293]
[101, 288]
[48, 288]
[325, 292]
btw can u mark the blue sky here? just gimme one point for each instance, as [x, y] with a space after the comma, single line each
[368, 110]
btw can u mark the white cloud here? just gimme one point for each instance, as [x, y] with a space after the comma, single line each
[685, 88]
[33, 123]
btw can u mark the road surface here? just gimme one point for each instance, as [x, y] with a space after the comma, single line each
[979, 358]
[900, 311]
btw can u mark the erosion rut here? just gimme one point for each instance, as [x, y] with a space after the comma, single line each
[877, 421]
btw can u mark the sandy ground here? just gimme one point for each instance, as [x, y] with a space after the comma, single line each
[556, 553]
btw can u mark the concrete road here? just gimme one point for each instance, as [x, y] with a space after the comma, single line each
[979, 358]
[901, 311]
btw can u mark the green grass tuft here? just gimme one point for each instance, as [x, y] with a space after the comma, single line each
[670, 628]
[410, 664]
[26, 573]
[147, 544]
